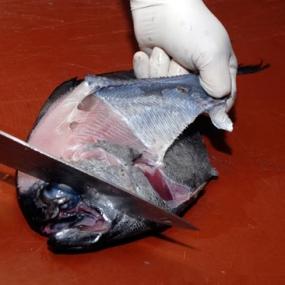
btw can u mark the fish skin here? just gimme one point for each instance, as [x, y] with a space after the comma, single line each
[80, 222]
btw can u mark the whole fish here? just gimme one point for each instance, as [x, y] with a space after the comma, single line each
[135, 133]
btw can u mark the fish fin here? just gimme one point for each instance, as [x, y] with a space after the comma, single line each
[174, 240]
[252, 68]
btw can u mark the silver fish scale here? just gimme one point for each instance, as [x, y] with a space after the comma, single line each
[157, 118]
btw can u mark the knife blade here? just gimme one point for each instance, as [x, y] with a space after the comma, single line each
[20, 155]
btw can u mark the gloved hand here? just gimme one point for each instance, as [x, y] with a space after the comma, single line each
[192, 36]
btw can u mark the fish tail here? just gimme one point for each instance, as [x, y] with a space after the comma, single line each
[247, 69]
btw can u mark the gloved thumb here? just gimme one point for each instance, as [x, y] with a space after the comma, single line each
[215, 77]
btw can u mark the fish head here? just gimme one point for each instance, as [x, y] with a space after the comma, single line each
[76, 220]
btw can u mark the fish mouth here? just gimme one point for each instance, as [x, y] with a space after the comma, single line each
[81, 217]
[52, 208]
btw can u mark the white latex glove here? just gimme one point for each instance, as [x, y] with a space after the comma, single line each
[192, 36]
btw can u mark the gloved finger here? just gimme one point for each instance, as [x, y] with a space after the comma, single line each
[158, 63]
[233, 72]
[176, 69]
[141, 64]
[215, 77]
[220, 119]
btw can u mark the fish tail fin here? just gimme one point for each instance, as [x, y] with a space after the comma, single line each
[253, 68]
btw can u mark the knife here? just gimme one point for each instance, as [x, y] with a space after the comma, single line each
[21, 155]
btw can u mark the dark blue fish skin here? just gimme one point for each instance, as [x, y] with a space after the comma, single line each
[81, 221]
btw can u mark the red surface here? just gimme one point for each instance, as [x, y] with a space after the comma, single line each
[241, 215]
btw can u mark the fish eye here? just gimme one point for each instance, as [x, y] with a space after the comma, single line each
[62, 195]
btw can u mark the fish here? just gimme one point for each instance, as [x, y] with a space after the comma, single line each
[137, 133]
